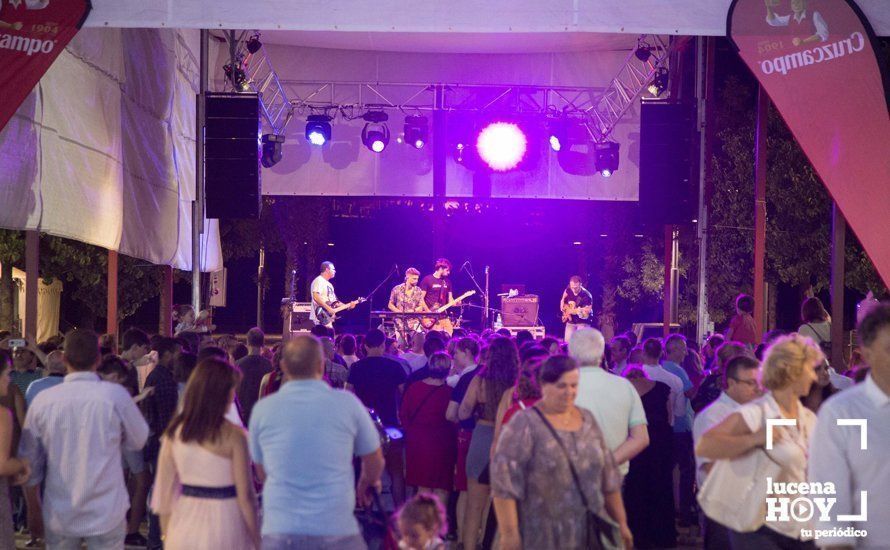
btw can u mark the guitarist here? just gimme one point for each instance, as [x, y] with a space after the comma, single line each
[437, 288]
[576, 305]
[407, 298]
[323, 295]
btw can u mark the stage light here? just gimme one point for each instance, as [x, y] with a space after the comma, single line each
[502, 145]
[254, 44]
[235, 74]
[606, 158]
[318, 129]
[558, 134]
[643, 51]
[659, 82]
[375, 134]
[271, 149]
[416, 131]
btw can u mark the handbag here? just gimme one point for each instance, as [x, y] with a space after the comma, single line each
[602, 532]
[734, 492]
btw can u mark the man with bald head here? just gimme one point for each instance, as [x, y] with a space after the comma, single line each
[614, 402]
[302, 440]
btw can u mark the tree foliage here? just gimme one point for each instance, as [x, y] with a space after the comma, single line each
[799, 210]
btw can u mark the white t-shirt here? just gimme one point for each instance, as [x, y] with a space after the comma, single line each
[678, 401]
[706, 419]
[615, 405]
[818, 332]
[791, 451]
[416, 360]
[455, 378]
[325, 289]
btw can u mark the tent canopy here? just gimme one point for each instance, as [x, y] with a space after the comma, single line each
[683, 17]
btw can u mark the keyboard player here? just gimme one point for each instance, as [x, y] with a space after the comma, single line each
[407, 298]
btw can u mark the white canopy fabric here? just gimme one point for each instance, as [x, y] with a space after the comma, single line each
[103, 150]
[684, 17]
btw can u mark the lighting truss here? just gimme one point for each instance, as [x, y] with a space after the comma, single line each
[628, 85]
[277, 110]
[600, 109]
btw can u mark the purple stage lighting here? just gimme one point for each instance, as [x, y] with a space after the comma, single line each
[502, 145]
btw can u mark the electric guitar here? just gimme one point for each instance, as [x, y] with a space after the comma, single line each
[429, 322]
[325, 317]
[570, 308]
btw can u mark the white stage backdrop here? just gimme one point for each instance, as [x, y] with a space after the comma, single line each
[103, 150]
[346, 167]
[687, 17]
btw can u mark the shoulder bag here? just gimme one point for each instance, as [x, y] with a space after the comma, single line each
[602, 532]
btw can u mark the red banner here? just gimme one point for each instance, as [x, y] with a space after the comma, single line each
[816, 61]
[32, 34]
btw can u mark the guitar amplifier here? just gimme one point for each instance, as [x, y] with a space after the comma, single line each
[296, 318]
[520, 311]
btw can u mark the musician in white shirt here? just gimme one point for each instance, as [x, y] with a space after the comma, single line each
[324, 297]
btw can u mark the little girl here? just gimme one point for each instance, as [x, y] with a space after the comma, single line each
[421, 522]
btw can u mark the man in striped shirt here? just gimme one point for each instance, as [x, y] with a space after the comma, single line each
[73, 436]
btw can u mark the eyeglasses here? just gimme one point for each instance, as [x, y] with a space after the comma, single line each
[754, 384]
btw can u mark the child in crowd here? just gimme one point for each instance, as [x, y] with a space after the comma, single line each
[741, 327]
[421, 523]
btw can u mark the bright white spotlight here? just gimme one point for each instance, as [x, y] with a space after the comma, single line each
[502, 145]
[555, 143]
[316, 138]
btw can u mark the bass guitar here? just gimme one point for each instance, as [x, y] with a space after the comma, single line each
[325, 317]
[429, 322]
[570, 308]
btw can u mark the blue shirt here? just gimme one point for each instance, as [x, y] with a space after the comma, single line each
[305, 436]
[38, 386]
[682, 423]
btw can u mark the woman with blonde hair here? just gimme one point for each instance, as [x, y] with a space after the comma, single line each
[788, 374]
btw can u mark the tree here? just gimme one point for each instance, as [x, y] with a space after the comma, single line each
[84, 270]
[798, 245]
[12, 249]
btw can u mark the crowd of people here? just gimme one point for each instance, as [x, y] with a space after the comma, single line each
[491, 440]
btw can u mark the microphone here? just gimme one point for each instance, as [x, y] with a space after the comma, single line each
[465, 264]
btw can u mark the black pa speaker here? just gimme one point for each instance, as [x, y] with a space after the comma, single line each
[668, 164]
[232, 155]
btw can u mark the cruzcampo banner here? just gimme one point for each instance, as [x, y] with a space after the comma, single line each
[817, 62]
[32, 34]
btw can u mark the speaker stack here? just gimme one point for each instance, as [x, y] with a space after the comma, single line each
[668, 164]
[232, 155]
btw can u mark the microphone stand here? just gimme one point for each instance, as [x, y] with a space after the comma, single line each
[370, 297]
[486, 311]
[479, 288]
[485, 301]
